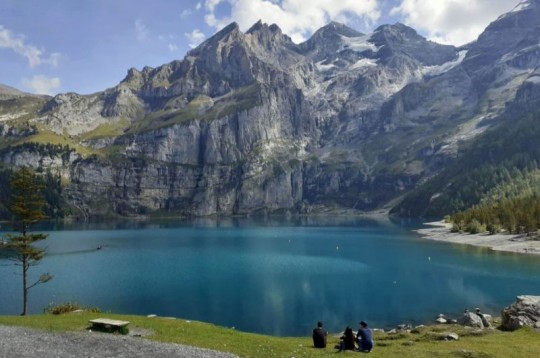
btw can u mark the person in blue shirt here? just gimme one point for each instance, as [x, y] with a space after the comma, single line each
[364, 338]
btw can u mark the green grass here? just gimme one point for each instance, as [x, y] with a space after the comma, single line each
[49, 137]
[201, 108]
[162, 118]
[29, 104]
[424, 343]
[106, 130]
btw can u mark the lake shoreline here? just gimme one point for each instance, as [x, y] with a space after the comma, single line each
[513, 243]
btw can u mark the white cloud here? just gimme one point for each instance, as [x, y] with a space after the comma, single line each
[141, 31]
[42, 85]
[34, 55]
[452, 21]
[53, 59]
[185, 13]
[210, 5]
[297, 18]
[172, 47]
[195, 37]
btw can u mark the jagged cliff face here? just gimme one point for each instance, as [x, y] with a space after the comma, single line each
[251, 122]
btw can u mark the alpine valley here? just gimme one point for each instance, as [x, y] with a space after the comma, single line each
[252, 123]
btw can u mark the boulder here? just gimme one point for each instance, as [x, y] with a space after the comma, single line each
[471, 319]
[441, 320]
[404, 326]
[486, 320]
[524, 312]
[452, 337]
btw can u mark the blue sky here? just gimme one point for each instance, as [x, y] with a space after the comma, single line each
[86, 46]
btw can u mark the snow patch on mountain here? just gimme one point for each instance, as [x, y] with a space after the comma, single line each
[523, 5]
[512, 55]
[358, 44]
[445, 67]
[534, 79]
[323, 68]
[365, 62]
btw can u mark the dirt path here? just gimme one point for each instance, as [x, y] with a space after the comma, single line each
[29, 343]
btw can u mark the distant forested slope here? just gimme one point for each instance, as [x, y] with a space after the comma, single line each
[501, 164]
[55, 206]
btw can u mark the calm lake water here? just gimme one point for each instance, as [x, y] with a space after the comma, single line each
[274, 276]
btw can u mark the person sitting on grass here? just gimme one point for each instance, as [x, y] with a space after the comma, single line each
[347, 340]
[319, 336]
[364, 338]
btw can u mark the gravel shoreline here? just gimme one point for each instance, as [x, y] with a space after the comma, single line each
[30, 343]
[440, 231]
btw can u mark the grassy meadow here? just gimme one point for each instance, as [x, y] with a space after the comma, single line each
[421, 342]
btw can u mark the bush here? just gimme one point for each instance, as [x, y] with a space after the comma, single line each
[494, 228]
[475, 227]
[458, 226]
[68, 307]
[123, 330]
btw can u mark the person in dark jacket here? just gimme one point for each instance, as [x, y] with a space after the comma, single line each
[347, 340]
[364, 338]
[319, 336]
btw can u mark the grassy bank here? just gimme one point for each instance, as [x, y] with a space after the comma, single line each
[423, 342]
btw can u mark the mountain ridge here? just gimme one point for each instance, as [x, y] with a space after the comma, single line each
[249, 122]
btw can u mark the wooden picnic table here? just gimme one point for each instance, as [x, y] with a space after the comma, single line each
[109, 325]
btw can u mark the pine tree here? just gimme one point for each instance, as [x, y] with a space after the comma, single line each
[26, 208]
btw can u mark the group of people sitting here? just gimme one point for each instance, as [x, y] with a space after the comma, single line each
[348, 341]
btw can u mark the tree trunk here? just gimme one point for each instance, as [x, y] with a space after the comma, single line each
[25, 286]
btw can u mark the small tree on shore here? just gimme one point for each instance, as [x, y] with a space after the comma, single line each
[26, 208]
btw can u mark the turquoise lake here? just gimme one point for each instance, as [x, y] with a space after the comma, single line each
[273, 276]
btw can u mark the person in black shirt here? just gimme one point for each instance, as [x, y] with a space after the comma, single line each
[347, 340]
[319, 336]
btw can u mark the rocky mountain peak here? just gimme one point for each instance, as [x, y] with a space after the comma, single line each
[133, 73]
[133, 78]
[397, 30]
[229, 34]
[147, 69]
[328, 40]
[259, 26]
[269, 36]
[330, 35]
[335, 27]
[402, 40]
[230, 30]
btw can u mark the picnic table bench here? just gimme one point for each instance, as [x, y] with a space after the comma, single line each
[109, 325]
